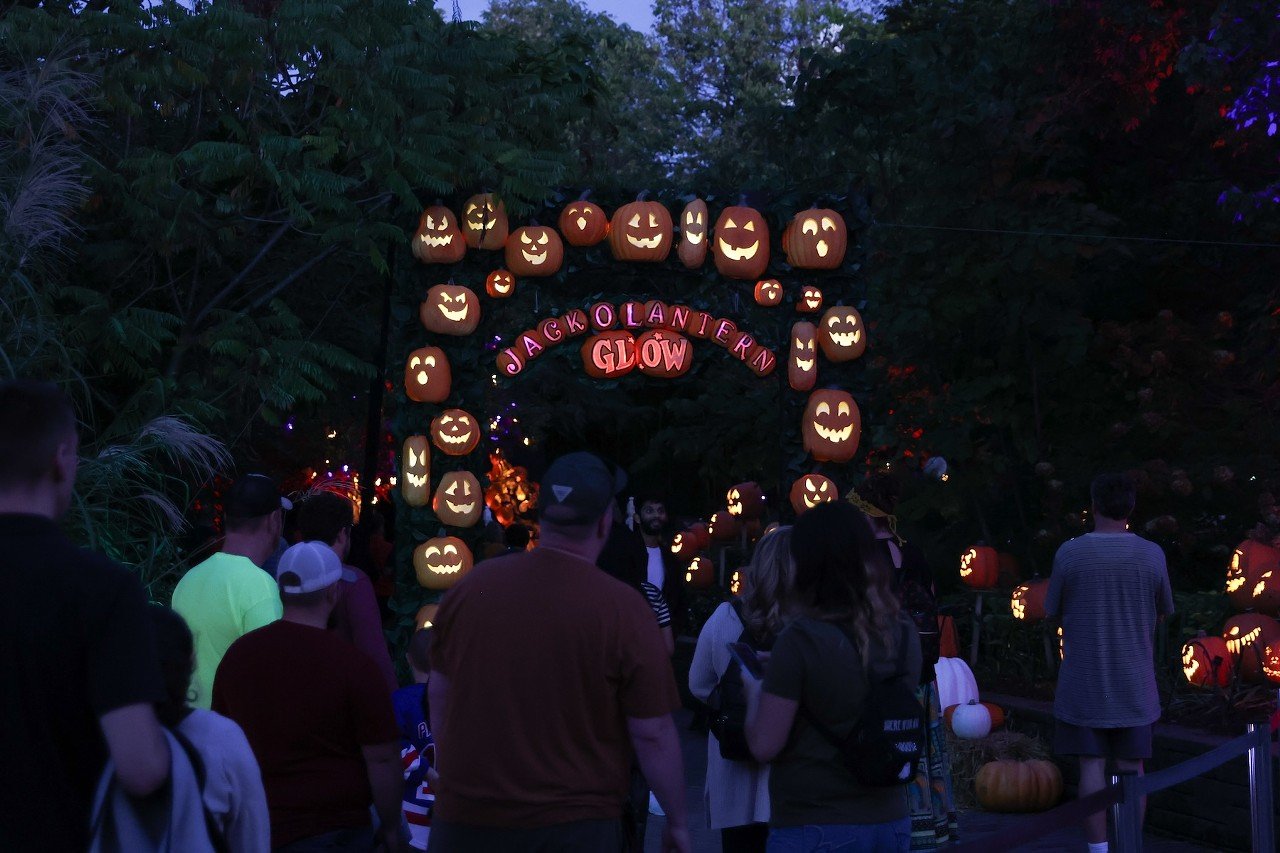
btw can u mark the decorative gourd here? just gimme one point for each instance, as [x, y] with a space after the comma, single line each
[768, 292]
[1248, 636]
[1207, 662]
[802, 358]
[450, 309]
[745, 500]
[640, 231]
[1018, 786]
[534, 250]
[455, 432]
[980, 567]
[694, 220]
[841, 334]
[438, 240]
[484, 222]
[427, 376]
[971, 720]
[994, 712]
[956, 684]
[1027, 602]
[441, 562]
[809, 490]
[415, 470]
[458, 501]
[500, 284]
[831, 426]
[815, 240]
[583, 223]
[740, 243]
[810, 301]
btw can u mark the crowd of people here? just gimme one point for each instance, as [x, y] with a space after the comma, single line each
[262, 711]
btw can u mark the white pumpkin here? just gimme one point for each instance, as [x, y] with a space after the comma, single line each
[956, 684]
[971, 720]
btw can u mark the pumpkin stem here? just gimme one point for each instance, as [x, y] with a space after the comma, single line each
[585, 194]
[642, 195]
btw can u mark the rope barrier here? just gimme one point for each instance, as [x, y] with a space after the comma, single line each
[1042, 824]
[1193, 767]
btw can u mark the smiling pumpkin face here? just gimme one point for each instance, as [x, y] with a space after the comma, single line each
[500, 284]
[810, 490]
[583, 223]
[687, 543]
[455, 432]
[640, 231]
[438, 239]
[741, 243]
[1206, 662]
[694, 220]
[832, 426]
[534, 251]
[1247, 636]
[415, 470]
[484, 222]
[450, 309]
[802, 358]
[441, 562]
[815, 240]
[1250, 561]
[810, 301]
[768, 292]
[841, 334]
[427, 376]
[458, 500]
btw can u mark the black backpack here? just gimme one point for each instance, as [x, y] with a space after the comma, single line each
[885, 744]
[728, 702]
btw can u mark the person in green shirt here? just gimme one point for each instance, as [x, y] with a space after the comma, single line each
[229, 595]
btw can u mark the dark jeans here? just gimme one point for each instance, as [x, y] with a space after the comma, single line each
[580, 836]
[357, 839]
[751, 838]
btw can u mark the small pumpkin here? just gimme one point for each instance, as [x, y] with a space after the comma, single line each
[768, 292]
[809, 490]
[583, 223]
[802, 358]
[450, 309]
[484, 222]
[980, 567]
[810, 301]
[415, 470]
[455, 432]
[1027, 601]
[438, 239]
[723, 527]
[745, 501]
[688, 543]
[994, 712]
[441, 562]
[740, 246]
[534, 250]
[1018, 786]
[640, 231]
[841, 334]
[700, 573]
[971, 720]
[427, 376]
[694, 221]
[458, 501]
[500, 284]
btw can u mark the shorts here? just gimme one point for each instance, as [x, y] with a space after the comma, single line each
[1131, 743]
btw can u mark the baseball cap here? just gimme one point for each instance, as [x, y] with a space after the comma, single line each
[253, 496]
[578, 487]
[315, 564]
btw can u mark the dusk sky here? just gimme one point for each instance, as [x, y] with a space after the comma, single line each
[634, 13]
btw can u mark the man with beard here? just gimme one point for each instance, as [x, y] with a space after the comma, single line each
[662, 571]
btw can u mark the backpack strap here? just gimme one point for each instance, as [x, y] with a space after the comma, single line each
[822, 728]
[216, 837]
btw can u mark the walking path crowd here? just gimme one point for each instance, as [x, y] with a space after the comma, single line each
[262, 712]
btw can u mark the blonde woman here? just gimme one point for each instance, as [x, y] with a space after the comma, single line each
[736, 793]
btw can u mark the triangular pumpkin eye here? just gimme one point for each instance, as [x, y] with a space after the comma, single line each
[750, 226]
[729, 223]
[653, 221]
[453, 489]
[634, 222]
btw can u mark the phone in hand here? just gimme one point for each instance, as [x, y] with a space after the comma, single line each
[746, 656]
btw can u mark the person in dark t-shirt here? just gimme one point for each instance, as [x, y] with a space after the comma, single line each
[77, 656]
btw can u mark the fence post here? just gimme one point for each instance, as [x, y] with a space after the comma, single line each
[1128, 813]
[1260, 801]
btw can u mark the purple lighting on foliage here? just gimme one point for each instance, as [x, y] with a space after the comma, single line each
[1258, 105]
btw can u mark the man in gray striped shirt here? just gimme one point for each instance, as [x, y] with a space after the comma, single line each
[1108, 590]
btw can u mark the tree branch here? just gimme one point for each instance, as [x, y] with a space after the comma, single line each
[240, 276]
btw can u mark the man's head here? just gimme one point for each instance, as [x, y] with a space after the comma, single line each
[1113, 496]
[576, 500]
[326, 517]
[38, 445]
[653, 516]
[308, 576]
[254, 509]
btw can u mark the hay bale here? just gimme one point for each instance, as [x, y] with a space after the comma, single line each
[968, 755]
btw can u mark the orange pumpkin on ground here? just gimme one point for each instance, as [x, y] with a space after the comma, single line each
[1018, 786]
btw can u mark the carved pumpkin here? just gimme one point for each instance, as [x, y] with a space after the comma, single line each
[455, 432]
[740, 244]
[663, 353]
[1271, 663]
[687, 543]
[441, 562]
[694, 220]
[832, 426]
[809, 490]
[810, 301]
[500, 284]
[971, 720]
[458, 499]
[722, 527]
[841, 334]
[1027, 601]
[640, 231]
[609, 355]
[438, 240]
[1250, 561]
[735, 582]
[534, 251]
[980, 567]
[994, 712]
[1248, 636]
[745, 500]
[802, 359]
[415, 470]
[484, 222]
[700, 573]
[427, 376]
[1207, 662]
[450, 309]
[583, 223]
[768, 292]
[815, 240]
[426, 616]
[1018, 786]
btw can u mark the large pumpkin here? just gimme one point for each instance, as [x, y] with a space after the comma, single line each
[832, 426]
[956, 684]
[450, 309]
[484, 222]
[841, 334]
[1018, 786]
[815, 240]
[458, 500]
[1254, 572]
[1027, 601]
[809, 490]
[980, 567]
[1248, 636]
[441, 562]
[1207, 662]
[438, 240]
[640, 231]
[415, 470]
[694, 222]
[534, 251]
[802, 358]
[427, 376]
[740, 243]
[583, 223]
[455, 432]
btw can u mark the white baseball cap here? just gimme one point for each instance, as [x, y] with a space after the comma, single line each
[315, 564]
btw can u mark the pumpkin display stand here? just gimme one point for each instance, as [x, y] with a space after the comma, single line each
[968, 757]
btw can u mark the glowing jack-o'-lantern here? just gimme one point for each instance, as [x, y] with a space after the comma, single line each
[810, 301]
[458, 500]
[438, 240]
[1248, 636]
[450, 309]
[1027, 601]
[426, 616]
[735, 582]
[722, 527]
[1250, 561]
[815, 240]
[768, 292]
[745, 500]
[740, 244]
[583, 223]
[534, 251]
[484, 222]
[640, 231]
[1207, 662]
[455, 432]
[832, 426]
[687, 543]
[441, 562]
[841, 335]
[802, 359]
[500, 284]
[700, 573]
[694, 220]
[427, 376]
[809, 490]
[415, 470]
[980, 567]
[1271, 663]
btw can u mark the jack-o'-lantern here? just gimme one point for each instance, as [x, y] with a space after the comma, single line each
[663, 353]
[427, 376]
[700, 573]
[1250, 561]
[688, 543]
[810, 301]
[441, 562]
[980, 567]
[438, 240]
[500, 284]
[455, 432]
[740, 244]
[809, 490]
[1018, 786]
[1271, 663]
[802, 359]
[458, 499]
[841, 335]
[815, 240]
[583, 223]
[640, 231]
[450, 309]
[534, 251]
[832, 426]
[426, 616]
[768, 292]
[1207, 662]
[722, 527]
[735, 582]
[1027, 601]
[1248, 636]
[415, 470]
[484, 222]
[745, 500]
[694, 220]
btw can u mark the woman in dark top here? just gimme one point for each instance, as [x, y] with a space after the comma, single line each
[848, 629]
